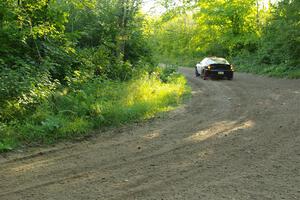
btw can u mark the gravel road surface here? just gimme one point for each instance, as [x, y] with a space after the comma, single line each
[235, 139]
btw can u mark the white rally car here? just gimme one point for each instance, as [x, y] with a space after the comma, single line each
[214, 67]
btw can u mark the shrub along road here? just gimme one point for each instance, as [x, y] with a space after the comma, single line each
[233, 140]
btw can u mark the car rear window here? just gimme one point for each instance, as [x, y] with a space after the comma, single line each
[219, 60]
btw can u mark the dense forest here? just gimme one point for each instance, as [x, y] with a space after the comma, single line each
[70, 66]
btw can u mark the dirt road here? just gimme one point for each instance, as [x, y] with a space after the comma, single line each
[235, 139]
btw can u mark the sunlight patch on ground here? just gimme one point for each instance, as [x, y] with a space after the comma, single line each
[152, 136]
[223, 127]
[31, 166]
[195, 92]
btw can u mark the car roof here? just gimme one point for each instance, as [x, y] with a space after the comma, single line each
[215, 60]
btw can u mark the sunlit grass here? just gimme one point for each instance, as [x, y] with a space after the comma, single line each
[74, 112]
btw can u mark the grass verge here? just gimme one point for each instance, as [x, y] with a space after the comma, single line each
[74, 111]
[271, 70]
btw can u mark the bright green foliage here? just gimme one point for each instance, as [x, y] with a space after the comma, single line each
[226, 26]
[215, 27]
[173, 40]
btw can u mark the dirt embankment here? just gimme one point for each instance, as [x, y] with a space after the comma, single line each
[235, 139]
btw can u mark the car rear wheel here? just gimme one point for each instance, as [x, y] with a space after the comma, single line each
[230, 77]
[204, 77]
[196, 72]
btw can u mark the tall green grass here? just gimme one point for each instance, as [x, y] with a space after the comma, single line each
[75, 110]
[253, 64]
[271, 70]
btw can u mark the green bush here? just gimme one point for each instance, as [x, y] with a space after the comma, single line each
[252, 65]
[167, 72]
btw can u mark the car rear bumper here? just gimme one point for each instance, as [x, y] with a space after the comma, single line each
[218, 73]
